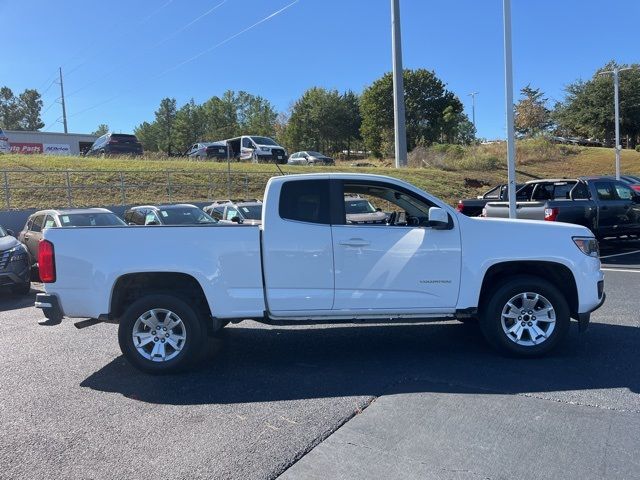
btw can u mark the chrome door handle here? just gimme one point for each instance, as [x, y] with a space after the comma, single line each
[355, 242]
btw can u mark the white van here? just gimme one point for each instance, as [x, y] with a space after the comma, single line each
[257, 149]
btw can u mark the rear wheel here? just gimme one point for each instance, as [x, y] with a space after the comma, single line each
[161, 334]
[525, 316]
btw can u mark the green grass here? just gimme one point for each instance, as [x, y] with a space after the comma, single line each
[99, 181]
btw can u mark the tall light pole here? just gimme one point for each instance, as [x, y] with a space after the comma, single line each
[508, 84]
[616, 106]
[64, 110]
[400, 130]
[473, 107]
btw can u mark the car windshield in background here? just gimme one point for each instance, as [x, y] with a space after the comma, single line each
[185, 216]
[264, 141]
[3, 232]
[315, 154]
[358, 206]
[252, 212]
[90, 220]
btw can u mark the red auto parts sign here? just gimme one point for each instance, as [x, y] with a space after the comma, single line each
[21, 147]
[37, 148]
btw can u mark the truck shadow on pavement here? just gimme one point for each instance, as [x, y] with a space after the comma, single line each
[11, 301]
[273, 364]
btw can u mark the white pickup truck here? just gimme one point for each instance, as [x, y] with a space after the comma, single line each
[169, 287]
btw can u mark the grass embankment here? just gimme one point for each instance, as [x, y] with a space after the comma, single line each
[449, 173]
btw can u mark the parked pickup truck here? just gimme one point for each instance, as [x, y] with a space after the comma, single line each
[169, 287]
[472, 207]
[607, 207]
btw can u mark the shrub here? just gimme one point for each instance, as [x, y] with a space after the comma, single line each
[638, 148]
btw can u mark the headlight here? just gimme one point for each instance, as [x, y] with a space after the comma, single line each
[588, 245]
[265, 149]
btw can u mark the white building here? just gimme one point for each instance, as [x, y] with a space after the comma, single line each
[49, 143]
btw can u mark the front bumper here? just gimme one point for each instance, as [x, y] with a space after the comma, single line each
[49, 305]
[15, 274]
[585, 318]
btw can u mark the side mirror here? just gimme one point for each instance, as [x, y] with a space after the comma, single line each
[11, 232]
[378, 209]
[236, 219]
[438, 218]
[155, 222]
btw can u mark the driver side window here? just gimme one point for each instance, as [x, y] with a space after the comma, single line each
[378, 203]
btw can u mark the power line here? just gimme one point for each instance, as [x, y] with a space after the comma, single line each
[195, 57]
[119, 66]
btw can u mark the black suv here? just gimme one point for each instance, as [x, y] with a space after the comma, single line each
[15, 268]
[115, 144]
[179, 214]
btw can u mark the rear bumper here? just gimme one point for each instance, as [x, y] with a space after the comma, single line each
[49, 305]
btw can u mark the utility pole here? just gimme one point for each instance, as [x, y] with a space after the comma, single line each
[64, 111]
[508, 84]
[473, 107]
[400, 130]
[616, 106]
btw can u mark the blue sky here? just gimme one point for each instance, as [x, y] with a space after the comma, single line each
[120, 58]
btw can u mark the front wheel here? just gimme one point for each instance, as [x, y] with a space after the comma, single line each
[161, 334]
[525, 316]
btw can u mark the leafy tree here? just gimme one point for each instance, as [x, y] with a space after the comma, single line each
[101, 130]
[147, 134]
[10, 114]
[189, 125]
[532, 117]
[221, 117]
[426, 99]
[164, 123]
[256, 115]
[588, 108]
[30, 105]
[323, 120]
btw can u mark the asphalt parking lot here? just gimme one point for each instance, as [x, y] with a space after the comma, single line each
[71, 407]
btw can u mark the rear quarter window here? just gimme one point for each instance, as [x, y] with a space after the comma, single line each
[305, 201]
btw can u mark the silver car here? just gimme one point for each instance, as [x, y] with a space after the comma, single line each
[309, 157]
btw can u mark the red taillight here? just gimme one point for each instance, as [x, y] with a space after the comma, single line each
[460, 206]
[551, 214]
[636, 187]
[46, 262]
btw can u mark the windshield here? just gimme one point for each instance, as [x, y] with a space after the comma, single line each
[358, 206]
[263, 141]
[252, 212]
[3, 232]
[185, 216]
[90, 220]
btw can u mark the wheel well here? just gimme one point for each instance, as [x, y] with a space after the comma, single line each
[128, 288]
[559, 275]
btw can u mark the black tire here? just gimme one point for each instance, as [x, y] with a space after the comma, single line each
[492, 309]
[22, 288]
[194, 330]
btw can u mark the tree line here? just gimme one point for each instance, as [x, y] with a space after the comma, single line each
[332, 121]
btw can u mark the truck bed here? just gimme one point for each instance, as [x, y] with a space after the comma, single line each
[224, 259]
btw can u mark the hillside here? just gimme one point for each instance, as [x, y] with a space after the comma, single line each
[39, 181]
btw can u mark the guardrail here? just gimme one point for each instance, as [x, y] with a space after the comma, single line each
[79, 188]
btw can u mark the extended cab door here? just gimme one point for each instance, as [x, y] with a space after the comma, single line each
[398, 264]
[297, 248]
